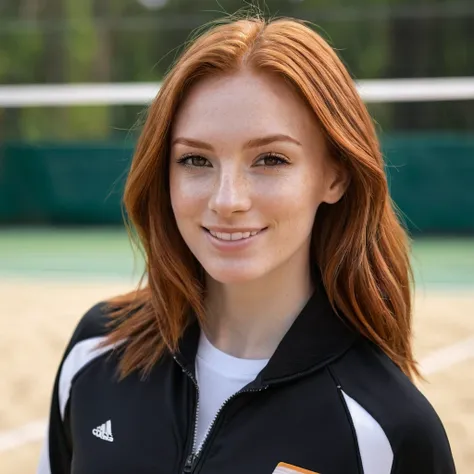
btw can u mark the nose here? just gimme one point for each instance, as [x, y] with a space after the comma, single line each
[230, 193]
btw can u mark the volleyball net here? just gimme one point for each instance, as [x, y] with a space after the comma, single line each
[371, 91]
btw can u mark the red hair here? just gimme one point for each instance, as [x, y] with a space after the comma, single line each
[360, 247]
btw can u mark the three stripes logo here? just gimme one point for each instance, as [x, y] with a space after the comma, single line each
[104, 431]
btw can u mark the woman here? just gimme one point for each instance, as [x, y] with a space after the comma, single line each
[273, 334]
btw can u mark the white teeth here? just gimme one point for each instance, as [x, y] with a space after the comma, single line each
[234, 235]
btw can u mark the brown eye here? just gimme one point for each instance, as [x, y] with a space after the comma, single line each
[272, 160]
[194, 161]
[198, 161]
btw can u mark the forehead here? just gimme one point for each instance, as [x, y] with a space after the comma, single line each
[245, 102]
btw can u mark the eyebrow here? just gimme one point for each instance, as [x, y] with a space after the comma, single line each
[253, 143]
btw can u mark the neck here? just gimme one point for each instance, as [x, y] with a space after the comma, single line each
[249, 320]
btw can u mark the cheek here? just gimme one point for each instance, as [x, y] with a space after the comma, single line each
[188, 194]
[294, 197]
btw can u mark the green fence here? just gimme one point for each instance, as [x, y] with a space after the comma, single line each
[70, 183]
[431, 180]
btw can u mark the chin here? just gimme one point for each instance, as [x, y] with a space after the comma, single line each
[234, 275]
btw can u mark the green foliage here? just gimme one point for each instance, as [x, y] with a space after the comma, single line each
[56, 41]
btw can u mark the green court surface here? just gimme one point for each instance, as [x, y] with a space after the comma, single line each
[106, 254]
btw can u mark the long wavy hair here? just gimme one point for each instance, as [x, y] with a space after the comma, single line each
[360, 247]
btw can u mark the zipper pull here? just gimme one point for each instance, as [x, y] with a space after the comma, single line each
[190, 463]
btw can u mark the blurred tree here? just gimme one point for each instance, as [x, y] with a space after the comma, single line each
[124, 40]
[437, 46]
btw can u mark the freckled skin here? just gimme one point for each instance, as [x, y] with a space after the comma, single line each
[235, 188]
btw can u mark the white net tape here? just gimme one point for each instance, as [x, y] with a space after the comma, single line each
[383, 90]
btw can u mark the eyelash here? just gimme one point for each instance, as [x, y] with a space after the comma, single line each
[281, 160]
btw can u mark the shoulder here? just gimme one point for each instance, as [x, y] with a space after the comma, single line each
[89, 339]
[87, 344]
[94, 323]
[390, 413]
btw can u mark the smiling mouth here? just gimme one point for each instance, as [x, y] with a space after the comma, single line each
[233, 236]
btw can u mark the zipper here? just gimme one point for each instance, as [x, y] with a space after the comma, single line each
[193, 458]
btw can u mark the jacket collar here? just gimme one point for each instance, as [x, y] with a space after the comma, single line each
[317, 337]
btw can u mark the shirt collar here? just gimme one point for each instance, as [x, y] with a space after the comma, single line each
[317, 336]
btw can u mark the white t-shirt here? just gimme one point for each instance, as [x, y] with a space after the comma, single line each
[219, 376]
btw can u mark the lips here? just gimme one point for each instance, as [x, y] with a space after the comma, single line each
[233, 236]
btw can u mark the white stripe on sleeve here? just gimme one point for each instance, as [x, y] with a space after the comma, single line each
[374, 446]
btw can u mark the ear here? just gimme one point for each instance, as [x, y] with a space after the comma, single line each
[338, 180]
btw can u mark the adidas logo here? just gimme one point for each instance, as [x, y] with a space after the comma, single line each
[104, 431]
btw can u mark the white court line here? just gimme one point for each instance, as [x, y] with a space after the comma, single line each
[436, 362]
[29, 433]
[447, 357]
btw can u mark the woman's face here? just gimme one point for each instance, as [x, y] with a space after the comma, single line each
[249, 168]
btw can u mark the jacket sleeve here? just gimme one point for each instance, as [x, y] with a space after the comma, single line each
[424, 449]
[56, 453]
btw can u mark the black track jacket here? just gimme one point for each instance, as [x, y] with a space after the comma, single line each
[324, 388]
